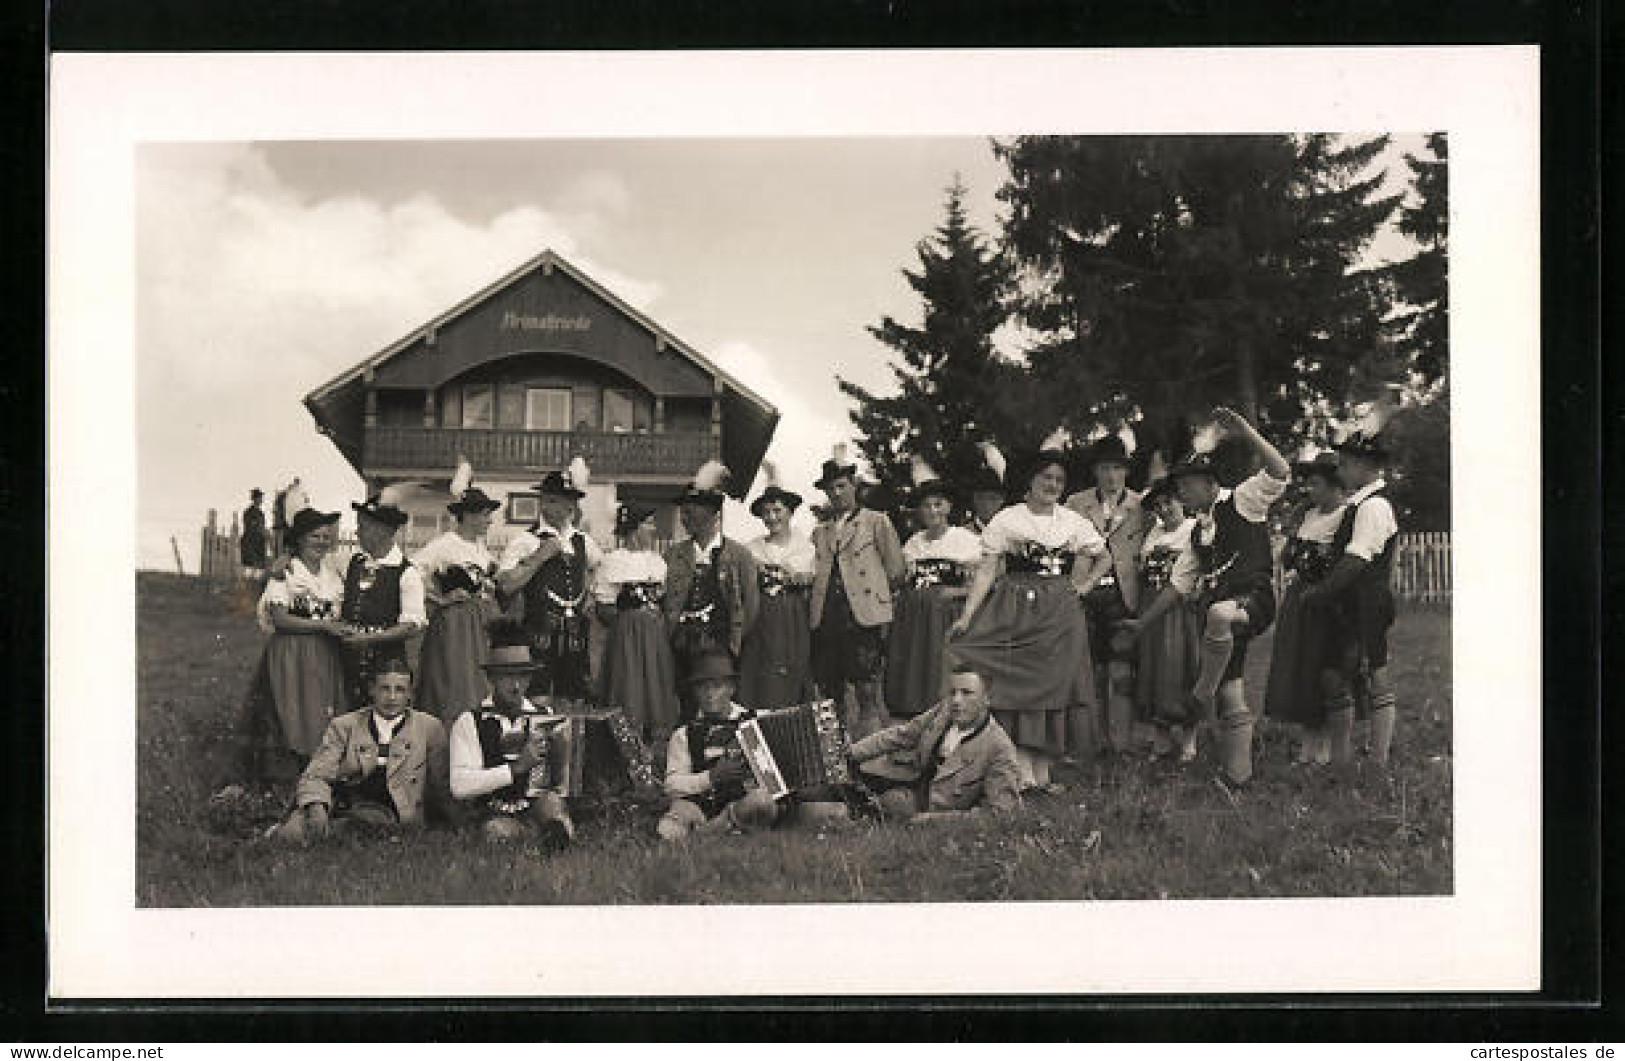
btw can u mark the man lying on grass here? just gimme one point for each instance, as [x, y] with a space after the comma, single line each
[378, 766]
[959, 759]
[495, 748]
[711, 787]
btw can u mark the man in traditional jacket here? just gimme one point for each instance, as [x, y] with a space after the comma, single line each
[712, 595]
[1230, 571]
[552, 568]
[384, 765]
[858, 565]
[960, 759]
[1117, 514]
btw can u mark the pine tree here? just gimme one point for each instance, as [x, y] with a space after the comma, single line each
[1170, 274]
[951, 382]
[1421, 327]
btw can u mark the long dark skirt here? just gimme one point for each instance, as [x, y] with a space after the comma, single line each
[775, 664]
[1031, 639]
[640, 676]
[1168, 658]
[297, 689]
[451, 675]
[1305, 647]
[916, 658]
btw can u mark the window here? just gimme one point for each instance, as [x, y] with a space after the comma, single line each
[478, 405]
[547, 409]
[524, 508]
[618, 411]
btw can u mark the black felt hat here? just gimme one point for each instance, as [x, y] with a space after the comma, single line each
[1194, 464]
[374, 508]
[308, 519]
[833, 470]
[558, 484]
[1364, 446]
[788, 498]
[1108, 450]
[473, 500]
[1324, 464]
[711, 666]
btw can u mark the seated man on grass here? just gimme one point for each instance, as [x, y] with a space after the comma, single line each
[494, 749]
[711, 787]
[957, 760]
[378, 766]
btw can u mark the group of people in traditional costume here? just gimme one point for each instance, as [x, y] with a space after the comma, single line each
[965, 662]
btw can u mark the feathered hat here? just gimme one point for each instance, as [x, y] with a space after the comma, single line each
[989, 477]
[384, 507]
[707, 487]
[570, 483]
[837, 467]
[927, 483]
[774, 492]
[306, 520]
[466, 496]
[1364, 440]
[1200, 459]
[1323, 464]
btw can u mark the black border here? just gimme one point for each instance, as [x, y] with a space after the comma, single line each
[1572, 36]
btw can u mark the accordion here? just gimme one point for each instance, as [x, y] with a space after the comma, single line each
[795, 749]
[593, 753]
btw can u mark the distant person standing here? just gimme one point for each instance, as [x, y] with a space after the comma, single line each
[251, 546]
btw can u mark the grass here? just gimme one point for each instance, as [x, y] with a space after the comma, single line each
[1131, 831]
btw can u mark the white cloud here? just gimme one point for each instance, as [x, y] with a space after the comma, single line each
[251, 295]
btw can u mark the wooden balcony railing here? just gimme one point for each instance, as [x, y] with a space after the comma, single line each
[436, 448]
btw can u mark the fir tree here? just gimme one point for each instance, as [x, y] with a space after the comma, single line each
[951, 381]
[1421, 327]
[1174, 273]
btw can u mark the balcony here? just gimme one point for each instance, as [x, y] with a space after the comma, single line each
[434, 451]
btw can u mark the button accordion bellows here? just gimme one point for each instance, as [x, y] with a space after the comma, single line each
[796, 748]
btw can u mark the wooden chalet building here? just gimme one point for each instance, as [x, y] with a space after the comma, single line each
[542, 366]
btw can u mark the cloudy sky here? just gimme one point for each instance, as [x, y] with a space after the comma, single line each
[265, 269]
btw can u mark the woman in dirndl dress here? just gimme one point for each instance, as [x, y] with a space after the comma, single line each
[941, 559]
[299, 686]
[775, 667]
[460, 590]
[639, 675]
[1302, 651]
[1024, 629]
[1167, 649]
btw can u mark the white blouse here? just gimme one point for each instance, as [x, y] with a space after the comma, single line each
[1061, 529]
[797, 556]
[1320, 527]
[526, 542]
[957, 544]
[319, 592]
[447, 551]
[621, 566]
[1374, 523]
[1159, 537]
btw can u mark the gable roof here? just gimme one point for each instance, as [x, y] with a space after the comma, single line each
[546, 258]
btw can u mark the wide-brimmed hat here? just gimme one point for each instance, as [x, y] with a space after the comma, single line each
[1359, 444]
[1323, 464]
[375, 508]
[707, 487]
[1194, 464]
[788, 498]
[473, 500]
[510, 659]
[715, 665]
[833, 470]
[1159, 489]
[256, 493]
[308, 519]
[934, 488]
[1108, 450]
[558, 484]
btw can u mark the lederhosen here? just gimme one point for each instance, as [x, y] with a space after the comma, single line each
[709, 742]
[1237, 565]
[372, 789]
[495, 745]
[1106, 607]
[372, 601]
[556, 618]
[1368, 604]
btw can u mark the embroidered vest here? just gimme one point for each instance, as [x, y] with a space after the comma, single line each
[489, 726]
[1034, 559]
[705, 603]
[1237, 561]
[706, 739]
[372, 600]
[555, 592]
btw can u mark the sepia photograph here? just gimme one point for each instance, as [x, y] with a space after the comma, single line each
[818, 521]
